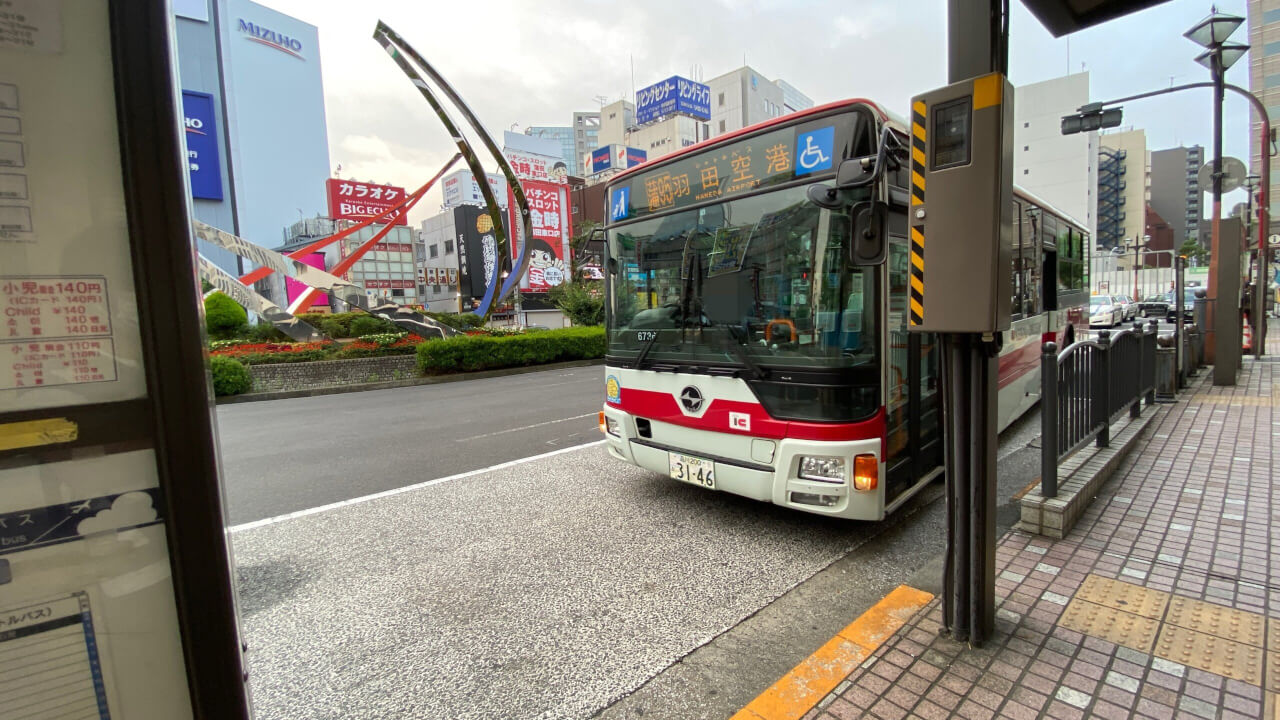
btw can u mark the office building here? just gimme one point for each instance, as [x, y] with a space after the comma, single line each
[1122, 188]
[744, 97]
[253, 101]
[1060, 169]
[1264, 82]
[562, 135]
[389, 268]
[1175, 190]
[586, 136]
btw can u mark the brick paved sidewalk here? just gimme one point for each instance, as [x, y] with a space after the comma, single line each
[1164, 601]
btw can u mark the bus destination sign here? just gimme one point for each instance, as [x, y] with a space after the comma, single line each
[772, 158]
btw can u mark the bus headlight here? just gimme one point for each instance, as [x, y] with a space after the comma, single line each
[822, 467]
[611, 426]
[866, 472]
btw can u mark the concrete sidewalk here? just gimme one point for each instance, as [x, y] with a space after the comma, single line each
[1163, 601]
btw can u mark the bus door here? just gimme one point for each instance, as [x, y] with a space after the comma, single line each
[911, 398]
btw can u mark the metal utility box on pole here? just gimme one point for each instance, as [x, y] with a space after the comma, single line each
[960, 253]
[962, 157]
[977, 64]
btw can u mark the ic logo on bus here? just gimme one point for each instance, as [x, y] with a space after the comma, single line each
[691, 399]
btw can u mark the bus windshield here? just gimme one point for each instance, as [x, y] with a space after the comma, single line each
[759, 281]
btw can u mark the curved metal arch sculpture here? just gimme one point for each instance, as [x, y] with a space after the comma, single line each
[399, 50]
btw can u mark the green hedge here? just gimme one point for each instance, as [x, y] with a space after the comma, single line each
[223, 317]
[229, 376]
[482, 352]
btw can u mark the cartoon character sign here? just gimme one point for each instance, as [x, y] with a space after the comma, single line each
[559, 173]
[546, 268]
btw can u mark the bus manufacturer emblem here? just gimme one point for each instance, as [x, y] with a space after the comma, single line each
[691, 399]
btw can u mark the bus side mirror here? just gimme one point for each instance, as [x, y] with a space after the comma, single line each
[868, 244]
[613, 266]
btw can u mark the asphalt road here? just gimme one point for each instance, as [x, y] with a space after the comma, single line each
[282, 456]
[566, 586]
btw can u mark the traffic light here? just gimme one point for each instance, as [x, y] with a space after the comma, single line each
[1091, 117]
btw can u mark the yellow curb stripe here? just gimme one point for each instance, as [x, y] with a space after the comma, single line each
[795, 693]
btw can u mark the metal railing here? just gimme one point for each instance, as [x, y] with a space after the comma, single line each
[1084, 389]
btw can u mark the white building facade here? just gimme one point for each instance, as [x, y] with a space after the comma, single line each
[1061, 169]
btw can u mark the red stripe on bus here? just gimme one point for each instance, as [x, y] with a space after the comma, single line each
[663, 407]
[1016, 363]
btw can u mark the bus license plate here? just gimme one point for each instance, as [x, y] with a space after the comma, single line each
[693, 470]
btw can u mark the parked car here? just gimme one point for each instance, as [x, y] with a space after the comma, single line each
[1104, 311]
[1188, 305]
[1154, 306]
[1128, 308]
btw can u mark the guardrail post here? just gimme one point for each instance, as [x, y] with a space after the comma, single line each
[1049, 420]
[1149, 349]
[1135, 408]
[1102, 389]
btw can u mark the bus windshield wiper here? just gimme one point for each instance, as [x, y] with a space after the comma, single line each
[644, 352]
[737, 346]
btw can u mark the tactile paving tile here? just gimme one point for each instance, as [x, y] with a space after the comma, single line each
[1224, 622]
[1272, 678]
[1123, 596]
[1232, 400]
[1121, 628]
[1273, 634]
[1211, 654]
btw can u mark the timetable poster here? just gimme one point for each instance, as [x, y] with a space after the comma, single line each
[52, 651]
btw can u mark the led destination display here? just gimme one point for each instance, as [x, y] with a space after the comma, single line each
[771, 158]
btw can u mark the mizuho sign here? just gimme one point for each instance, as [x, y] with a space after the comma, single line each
[271, 38]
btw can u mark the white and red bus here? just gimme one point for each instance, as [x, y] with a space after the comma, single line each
[748, 354]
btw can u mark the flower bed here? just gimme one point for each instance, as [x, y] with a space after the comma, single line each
[264, 353]
[379, 345]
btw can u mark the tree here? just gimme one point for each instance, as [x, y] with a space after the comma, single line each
[223, 317]
[580, 254]
[1192, 249]
[582, 301]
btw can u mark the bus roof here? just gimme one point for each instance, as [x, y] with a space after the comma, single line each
[1046, 205]
[893, 119]
[883, 114]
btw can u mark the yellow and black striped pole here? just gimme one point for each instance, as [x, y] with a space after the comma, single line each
[918, 138]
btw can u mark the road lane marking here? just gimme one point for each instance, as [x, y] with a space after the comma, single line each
[396, 491]
[797, 692]
[527, 427]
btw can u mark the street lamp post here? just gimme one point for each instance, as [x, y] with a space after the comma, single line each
[1257, 313]
[1137, 294]
[1212, 34]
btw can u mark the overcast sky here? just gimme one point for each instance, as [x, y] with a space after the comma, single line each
[534, 62]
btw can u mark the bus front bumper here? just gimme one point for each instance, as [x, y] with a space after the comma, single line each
[757, 468]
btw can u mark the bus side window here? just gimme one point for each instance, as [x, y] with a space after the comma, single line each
[1019, 231]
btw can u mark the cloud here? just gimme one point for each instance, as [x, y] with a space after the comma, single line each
[128, 510]
[535, 63]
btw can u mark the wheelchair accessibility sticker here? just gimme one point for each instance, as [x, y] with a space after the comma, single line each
[619, 203]
[815, 150]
